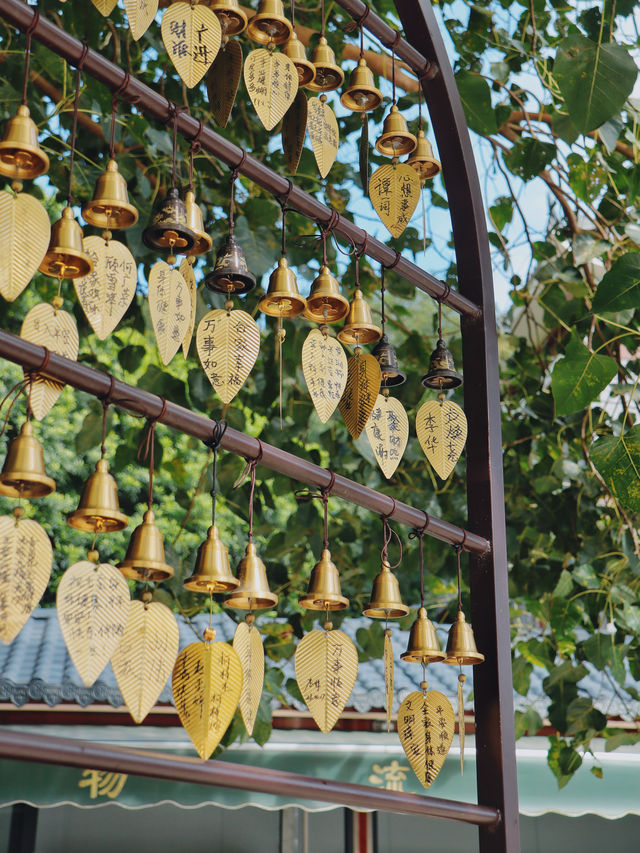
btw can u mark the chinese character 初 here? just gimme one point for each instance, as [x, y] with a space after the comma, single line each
[102, 784]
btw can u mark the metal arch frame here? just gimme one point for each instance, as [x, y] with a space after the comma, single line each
[496, 770]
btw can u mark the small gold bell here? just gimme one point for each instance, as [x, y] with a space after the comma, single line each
[282, 298]
[388, 361]
[396, 139]
[329, 76]
[20, 155]
[423, 644]
[323, 592]
[230, 273]
[145, 559]
[99, 510]
[461, 644]
[269, 25]
[110, 207]
[442, 370]
[422, 159]
[231, 16]
[386, 602]
[361, 95]
[294, 49]
[211, 572]
[359, 328]
[65, 257]
[23, 474]
[168, 228]
[195, 223]
[253, 591]
[325, 303]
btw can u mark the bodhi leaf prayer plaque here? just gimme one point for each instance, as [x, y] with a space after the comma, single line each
[272, 83]
[388, 432]
[170, 307]
[248, 645]
[191, 35]
[294, 130]
[140, 14]
[24, 238]
[106, 293]
[359, 398]
[323, 133]
[228, 345]
[394, 191]
[187, 273]
[223, 80]
[388, 676]
[441, 427]
[425, 726]
[324, 365]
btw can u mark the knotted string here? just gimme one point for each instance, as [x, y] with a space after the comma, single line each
[147, 448]
[74, 125]
[219, 429]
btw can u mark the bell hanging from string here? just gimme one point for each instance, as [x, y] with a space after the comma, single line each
[99, 509]
[461, 644]
[168, 228]
[296, 52]
[23, 474]
[388, 361]
[20, 154]
[361, 95]
[442, 373]
[396, 140]
[329, 76]
[231, 17]
[423, 646]
[195, 223]
[359, 328]
[211, 572]
[269, 24]
[282, 298]
[386, 601]
[325, 303]
[230, 274]
[110, 206]
[324, 592]
[65, 257]
[253, 591]
[145, 559]
[422, 159]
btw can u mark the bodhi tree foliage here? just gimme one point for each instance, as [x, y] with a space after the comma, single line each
[547, 90]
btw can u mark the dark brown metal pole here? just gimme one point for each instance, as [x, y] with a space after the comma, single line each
[141, 402]
[44, 749]
[153, 104]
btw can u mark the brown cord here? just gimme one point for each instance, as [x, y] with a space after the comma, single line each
[27, 54]
[147, 447]
[232, 194]
[219, 429]
[394, 262]
[74, 126]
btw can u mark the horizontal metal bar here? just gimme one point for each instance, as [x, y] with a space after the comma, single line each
[44, 749]
[154, 104]
[143, 403]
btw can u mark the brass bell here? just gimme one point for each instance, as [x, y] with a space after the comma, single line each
[195, 222]
[23, 474]
[211, 572]
[231, 17]
[386, 602]
[99, 510]
[230, 273]
[422, 159]
[359, 328]
[253, 592]
[294, 49]
[361, 95]
[65, 257]
[461, 644]
[325, 303]
[269, 25]
[282, 299]
[388, 361]
[168, 228]
[423, 641]
[20, 155]
[323, 592]
[396, 138]
[110, 207]
[442, 370]
[145, 559]
[329, 76]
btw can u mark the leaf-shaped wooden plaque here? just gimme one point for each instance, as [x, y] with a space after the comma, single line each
[140, 14]
[294, 130]
[425, 725]
[55, 329]
[206, 684]
[388, 676]
[441, 428]
[106, 293]
[228, 345]
[223, 80]
[272, 82]
[363, 155]
[323, 133]
[186, 270]
[248, 645]
[326, 669]
[394, 191]
[24, 239]
[170, 307]
[388, 432]
[145, 655]
[26, 557]
[105, 7]
[93, 608]
[361, 392]
[192, 35]
[324, 365]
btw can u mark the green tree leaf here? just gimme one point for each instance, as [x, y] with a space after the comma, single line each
[528, 157]
[580, 377]
[476, 100]
[617, 458]
[620, 287]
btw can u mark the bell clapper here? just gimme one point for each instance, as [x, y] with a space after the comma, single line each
[209, 635]
[441, 397]
[147, 597]
[385, 391]
[16, 186]
[18, 512]
[228, 305]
